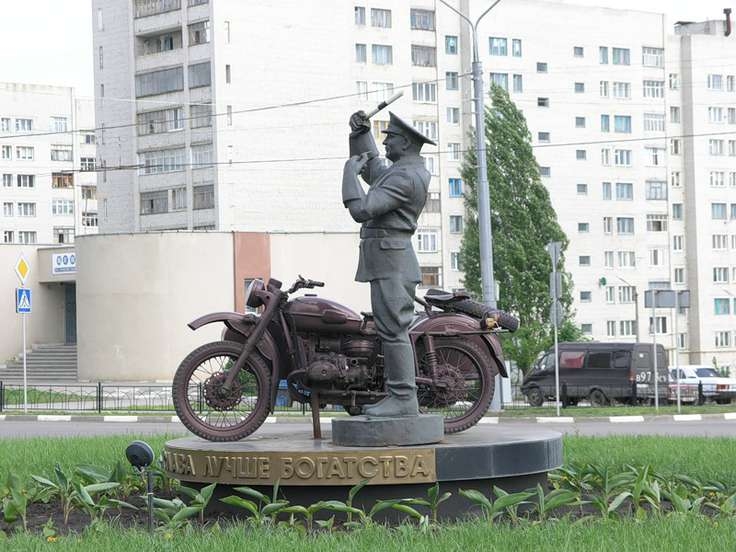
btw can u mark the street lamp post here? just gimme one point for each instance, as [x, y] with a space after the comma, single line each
[484, 200]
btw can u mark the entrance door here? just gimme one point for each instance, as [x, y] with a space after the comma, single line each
[70, 313]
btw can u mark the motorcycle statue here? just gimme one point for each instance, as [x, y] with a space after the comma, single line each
[328, 354]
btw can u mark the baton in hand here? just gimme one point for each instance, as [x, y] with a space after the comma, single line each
[384, 104]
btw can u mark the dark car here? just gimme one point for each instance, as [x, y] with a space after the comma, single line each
[598, 372]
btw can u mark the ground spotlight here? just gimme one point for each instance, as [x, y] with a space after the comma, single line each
[141, 456]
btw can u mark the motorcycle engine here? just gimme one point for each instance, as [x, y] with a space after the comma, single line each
[340, 362]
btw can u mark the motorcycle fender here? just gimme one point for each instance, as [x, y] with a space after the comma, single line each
[241, 325]
[456, 322]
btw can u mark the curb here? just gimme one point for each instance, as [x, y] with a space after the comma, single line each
[730, 416]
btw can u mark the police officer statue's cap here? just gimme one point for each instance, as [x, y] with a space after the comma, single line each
[398, 126]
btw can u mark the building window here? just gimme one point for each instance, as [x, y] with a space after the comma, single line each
[625, 225]
[679, 275]
[227, 32]
[430, 276]
[423, 56]
[652, 57]
[656, 223]
[675, 146]
[654, 122]
[720, 275]
[620, 56]
[178, 199]
[7, 152]
[8, 208]
[144, 8]
[675, 114]
[584, 260]
[606, 191]
[159, 82]
[61, 153]
[579, 87]
[718, 211]
[674, 80]
[586, 296]
[579, 122]
[581, 155]
[622, 123]
[578, 51]
[433, 203]
[624, 191]
[203, 196]
[8, 180]
[715, 82]
[27, 238]
[428, 128]
[608, 263]
[26, 180]
[543, 102]
[661, 324]
[228, 74]
[87, 164]
[455, 263]
[723, 339]
[58, 124]
[605, 123]
[4, 124]
[200, 74]
[453, 115]
[500, 79]
[381, 18]
[603, 55]
[583, 227]
[89, 192]
[62, 207]
[199, 33]
[202, 155]
[653, 89]
[422, 20]
[516, 47]
[518, 83]
[675, 179]
[656, 189]
[611, 328]
[605, 156]
[63, 235]
[427, 241]
[454, 150]
[608, 226]
[622, 90]
[717, 179]
[498, 46]
[154, 202]
[720, 241]
[603, 89]
[359, 15]
[542, 67]
[382, 54]
[543, 137]
[545, 171]
[622, 158]
[582, 189]
[715, 147]
[626, 294]
[229, 115]
[677, 211]
[450, 45]
[587, 328]
[655, 156]
[360, 53]
[25, 153]
[161, 161]
[627, 328]
[451, 80]
[455, 186]
[7, 236]
[200, 115]
[425, 92]
[23, 125]
[456, 224]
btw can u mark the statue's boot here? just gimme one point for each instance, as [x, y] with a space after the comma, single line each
[400, 384]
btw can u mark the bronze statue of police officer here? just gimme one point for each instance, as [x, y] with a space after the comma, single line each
[388, 214]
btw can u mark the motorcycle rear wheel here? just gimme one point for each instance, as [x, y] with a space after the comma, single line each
[462, 362]
[208, 413]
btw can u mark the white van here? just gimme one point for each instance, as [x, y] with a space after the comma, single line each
[715, 386]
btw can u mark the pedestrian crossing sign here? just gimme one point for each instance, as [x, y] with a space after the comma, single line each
[23, 300]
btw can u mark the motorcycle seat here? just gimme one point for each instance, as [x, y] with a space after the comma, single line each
[440, 296]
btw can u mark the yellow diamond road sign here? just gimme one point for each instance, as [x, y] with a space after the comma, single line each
[22, 269]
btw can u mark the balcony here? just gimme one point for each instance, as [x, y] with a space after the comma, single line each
[145, 8]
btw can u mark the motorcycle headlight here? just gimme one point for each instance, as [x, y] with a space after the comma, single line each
[251, 299]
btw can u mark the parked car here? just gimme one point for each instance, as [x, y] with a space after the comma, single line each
[598, 372]
[715, 387]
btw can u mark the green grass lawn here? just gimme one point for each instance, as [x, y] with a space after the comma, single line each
[652, 535]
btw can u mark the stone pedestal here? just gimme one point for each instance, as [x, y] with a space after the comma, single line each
[508, 456]
[365, 431]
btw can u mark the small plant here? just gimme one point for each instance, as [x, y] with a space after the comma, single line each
[199, 499]
[494, 510]
[15, 502]
[557, 498]
[265, 511]
[432, 502]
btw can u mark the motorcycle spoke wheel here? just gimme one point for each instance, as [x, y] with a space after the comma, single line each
[463, 366]
[209, 411]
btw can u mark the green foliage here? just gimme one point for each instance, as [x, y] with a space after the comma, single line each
[523, 222]
[265, 511]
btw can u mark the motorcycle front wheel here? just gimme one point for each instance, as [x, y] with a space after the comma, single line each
[469, 384]
[208, 410]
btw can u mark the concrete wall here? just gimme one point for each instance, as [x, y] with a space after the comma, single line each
[136, 294]
[46, 323]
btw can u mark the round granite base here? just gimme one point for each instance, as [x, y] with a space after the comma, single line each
[366, 431]
[307, 470]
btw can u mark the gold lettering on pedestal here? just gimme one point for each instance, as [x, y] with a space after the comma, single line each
[326, 468]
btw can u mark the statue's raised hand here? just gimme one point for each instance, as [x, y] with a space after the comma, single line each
[359, 122]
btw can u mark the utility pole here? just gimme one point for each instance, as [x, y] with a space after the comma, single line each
[484, 200]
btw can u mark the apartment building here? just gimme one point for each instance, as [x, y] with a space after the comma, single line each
[214, 115]
[47, 161]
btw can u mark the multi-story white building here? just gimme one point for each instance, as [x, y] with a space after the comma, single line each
[217, 114]
[47, 161]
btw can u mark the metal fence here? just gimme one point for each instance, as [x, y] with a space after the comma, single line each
[102, 397]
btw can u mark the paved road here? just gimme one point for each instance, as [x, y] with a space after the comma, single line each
[706, 428]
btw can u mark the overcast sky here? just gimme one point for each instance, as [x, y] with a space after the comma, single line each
[50, 41]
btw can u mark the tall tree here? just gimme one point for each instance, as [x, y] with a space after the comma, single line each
[523, 222]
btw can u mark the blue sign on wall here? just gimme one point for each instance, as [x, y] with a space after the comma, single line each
[23, 301]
